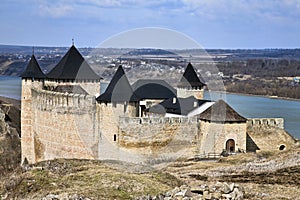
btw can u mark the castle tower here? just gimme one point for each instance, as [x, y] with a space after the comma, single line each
[73, 70]
[190, 84]
[32, 77]
[222, 128]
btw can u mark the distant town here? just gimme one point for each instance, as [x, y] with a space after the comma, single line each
[270, 72]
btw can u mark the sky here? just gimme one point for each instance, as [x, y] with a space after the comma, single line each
[226, 24]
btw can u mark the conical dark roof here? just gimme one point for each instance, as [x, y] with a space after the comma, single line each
[72, 66]
[119, 89]
[221, 112]
[190, 78]
[33, 70]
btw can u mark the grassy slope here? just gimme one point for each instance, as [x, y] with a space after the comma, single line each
[92, 179]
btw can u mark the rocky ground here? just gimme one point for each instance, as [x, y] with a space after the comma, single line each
[264, 175]
[10, 149]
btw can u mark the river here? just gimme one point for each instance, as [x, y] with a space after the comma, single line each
[247, 106]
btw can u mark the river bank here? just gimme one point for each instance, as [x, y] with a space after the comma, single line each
[256, 95]
[15, 102]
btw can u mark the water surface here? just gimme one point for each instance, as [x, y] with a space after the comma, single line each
[264, 107]
[247, 106]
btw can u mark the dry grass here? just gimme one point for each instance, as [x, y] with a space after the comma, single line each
[92, 179]
[272, 175]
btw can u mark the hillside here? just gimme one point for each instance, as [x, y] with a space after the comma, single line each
[85, 179]
[264, 175]
[10, 145]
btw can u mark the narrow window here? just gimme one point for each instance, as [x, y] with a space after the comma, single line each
[115, 137]
[125, 107]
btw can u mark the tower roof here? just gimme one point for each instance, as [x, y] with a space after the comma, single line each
[73, 66]
[153, 89]
[190, 78]
[221, 112]
[119, 89]
[33, 70]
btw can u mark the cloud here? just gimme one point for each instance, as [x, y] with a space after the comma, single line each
[55, 10]
[244, 8]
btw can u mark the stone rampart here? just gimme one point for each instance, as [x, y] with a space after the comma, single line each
[272, 122]
[64, 125]
[269, 135]
[62, 102]
[157, 132]
[92, 87]
[183, 92]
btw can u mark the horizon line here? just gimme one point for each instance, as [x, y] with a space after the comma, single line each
[209, 48]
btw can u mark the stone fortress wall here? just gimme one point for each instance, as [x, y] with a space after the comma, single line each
[198, 94]
[158, 132]
[271, 122]
[268, 134]
[73, 126]
[92, 87]
[63, 125]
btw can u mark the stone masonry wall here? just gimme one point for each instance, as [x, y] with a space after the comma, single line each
[63, 126]
[271, 122]
[269, 135]
[91, 87]
[109, 114]
[158, 132]
[213, 136]
[108, 122]
[183, 93]
[27, 139]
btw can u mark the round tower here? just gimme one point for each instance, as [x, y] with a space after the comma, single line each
[32, 77]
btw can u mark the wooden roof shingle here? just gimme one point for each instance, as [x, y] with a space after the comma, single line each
[221, 112]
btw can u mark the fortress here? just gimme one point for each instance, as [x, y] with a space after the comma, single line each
[63, 116]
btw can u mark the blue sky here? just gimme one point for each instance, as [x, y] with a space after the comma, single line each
[212, 23]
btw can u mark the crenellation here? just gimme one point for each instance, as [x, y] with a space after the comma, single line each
[156, 120]
[271, 122]
[62, 102]
[161, 131]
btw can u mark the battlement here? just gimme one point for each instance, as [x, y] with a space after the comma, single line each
[273, 122]
[61, 102]
[158, 132]
[156, 120]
